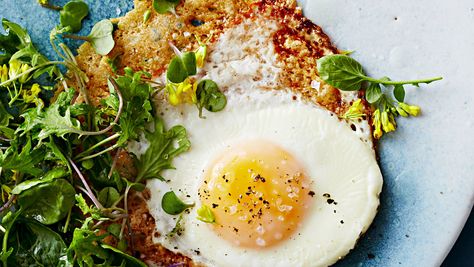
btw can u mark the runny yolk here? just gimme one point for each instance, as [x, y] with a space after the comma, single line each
[258, 192]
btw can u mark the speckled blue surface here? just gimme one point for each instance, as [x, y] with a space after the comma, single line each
[428, 186]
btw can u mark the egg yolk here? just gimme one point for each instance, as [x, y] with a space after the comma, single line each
[258, 192]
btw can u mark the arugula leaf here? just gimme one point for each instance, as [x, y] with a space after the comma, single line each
[209, 97]
[172, 205]
[51, 121]
[205, 214]
[72, 14]
[36, 245]
[164, 6]
[48, 177]
[25, 161]
[48, 202]
[85, 245]
[137, 110]
[162, 150]
[101, 37]
[181, 67]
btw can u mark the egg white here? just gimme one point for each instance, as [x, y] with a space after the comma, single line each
[339, 161]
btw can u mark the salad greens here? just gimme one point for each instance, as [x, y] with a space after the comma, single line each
[346, 74]
[62, 194]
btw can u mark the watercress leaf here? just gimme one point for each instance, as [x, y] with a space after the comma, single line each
[399, 93]
[123, 257]
[172, 205]
[49, 176]
[164, 146]
[48, 202]
[205, 214]
[37, 245]
[101, 37]
[108, 196]
[373, 93]
[341, 71]
[72, 15]
[164, 6]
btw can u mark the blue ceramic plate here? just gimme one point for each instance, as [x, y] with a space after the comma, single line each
[428, 163]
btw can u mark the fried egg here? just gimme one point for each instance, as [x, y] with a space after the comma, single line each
[288, 182]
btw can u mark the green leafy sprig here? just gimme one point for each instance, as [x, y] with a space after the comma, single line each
[71, 14]
[346, 74]
[100, 37]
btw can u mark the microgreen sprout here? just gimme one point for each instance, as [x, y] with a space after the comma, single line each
[100, 37]
[71, 14]
[172, 205]
[346, 74]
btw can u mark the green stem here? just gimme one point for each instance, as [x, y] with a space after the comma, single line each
[100, 153]
[53, 7]
[384, 82]
[32, 70]
[76, 37]
[66, 225]
[106, 140]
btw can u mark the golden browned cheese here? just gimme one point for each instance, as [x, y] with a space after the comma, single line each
[144, 46]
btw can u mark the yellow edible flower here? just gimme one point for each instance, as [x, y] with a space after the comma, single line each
[356, 111]
[376, 122]
[412, 110]
[31, 95]
[43, 2]
[200, 53]
[388, 123]
[23, 79]
[17, 68]
[4, 73]
[5, 190]
[184, 92]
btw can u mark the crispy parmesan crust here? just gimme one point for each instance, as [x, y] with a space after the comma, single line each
[144, 46]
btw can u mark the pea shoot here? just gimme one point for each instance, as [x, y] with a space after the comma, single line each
[346, 74]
